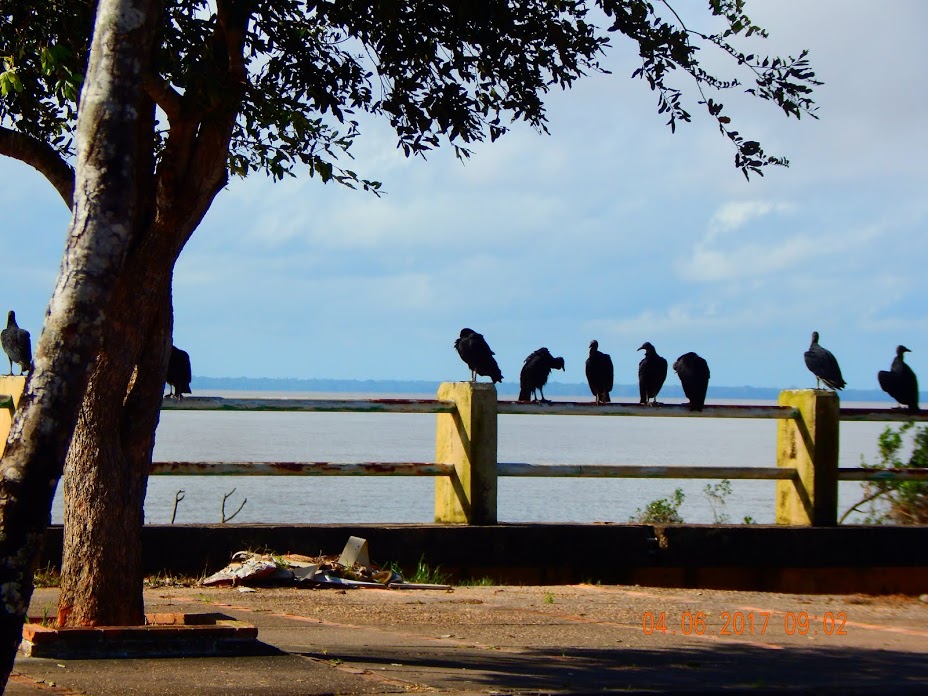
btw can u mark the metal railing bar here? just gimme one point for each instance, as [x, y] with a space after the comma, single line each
[881, 414]
[226, 468]
[583, 408]
[523, 469]
[858, 474]
[211, 403]
[515, 469]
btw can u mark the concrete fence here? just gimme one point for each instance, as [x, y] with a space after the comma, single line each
[466, 468]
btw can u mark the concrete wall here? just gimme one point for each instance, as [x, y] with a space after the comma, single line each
[13, 387]
[874, 560]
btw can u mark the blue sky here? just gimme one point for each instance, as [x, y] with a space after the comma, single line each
[610, 228]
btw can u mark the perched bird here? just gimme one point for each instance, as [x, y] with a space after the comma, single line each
[474, 351]
[179, 373]
[599, 373]
[693, 372]
[535, 374]
[652, 371]
[16, 344]
[823, 365]
[900, 382]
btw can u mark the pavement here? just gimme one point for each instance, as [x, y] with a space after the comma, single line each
[576, 639]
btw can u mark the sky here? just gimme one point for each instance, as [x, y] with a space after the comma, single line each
[612, 227]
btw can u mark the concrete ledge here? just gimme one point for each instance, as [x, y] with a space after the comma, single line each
[865, 559]
[165, 635]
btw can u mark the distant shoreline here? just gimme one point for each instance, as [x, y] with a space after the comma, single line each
[387, 386]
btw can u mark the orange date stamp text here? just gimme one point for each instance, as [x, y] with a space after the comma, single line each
[744, 623]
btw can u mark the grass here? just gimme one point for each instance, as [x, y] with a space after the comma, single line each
[163, 579]
[428, 575]
[51, 577]
[423, 574]
[477, 582]
[46, 577]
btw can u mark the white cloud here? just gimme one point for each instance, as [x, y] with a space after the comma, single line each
[734, 215]
[612, 227]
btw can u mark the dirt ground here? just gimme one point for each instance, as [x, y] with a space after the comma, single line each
[515, 616]
[525, 640]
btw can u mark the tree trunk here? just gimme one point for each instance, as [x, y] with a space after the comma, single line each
[107, 467]
[98, 239]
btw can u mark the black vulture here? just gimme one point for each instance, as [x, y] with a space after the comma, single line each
[474, 351]
[823, 365]
[535, 373]
[16, 344]
[179, 373]
[900, 381]
[693, 372]
[652, 371]
[599, 373]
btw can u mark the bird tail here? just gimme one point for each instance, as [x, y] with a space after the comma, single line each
[604, 397]
[525, 394]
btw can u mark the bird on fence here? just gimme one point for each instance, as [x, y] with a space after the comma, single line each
[599, 373]
[652, 371]
[535, 374]
[474, 351]
[823, 365]
[16, 344]
[900, 381]
[179, 373]
[693, 372]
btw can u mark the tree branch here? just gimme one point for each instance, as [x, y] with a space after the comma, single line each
[164, 96]
[43, 158]
[857, 505]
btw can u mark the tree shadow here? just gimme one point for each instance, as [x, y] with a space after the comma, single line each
[702, 669]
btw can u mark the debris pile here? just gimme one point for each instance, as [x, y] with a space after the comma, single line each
[353, 568]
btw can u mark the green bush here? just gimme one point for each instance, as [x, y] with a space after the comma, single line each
[896, 502]
[661, 511]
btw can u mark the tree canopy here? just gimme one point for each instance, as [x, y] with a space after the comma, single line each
[297, 72]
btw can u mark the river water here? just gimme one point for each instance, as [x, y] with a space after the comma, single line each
[385, 437]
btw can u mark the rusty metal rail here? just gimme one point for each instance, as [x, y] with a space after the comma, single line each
[585, 408]
[861, 474]
[523, 469]
[509, 407]
[517, 470]
[300, 469]
[210, 403]
[555, 408]
[897, 415]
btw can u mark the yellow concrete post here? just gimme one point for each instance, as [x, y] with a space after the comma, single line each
[467, 439]
[9, 387]
[809, 444]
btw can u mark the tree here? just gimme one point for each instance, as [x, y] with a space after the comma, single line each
[105, 208]
[234, 87]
